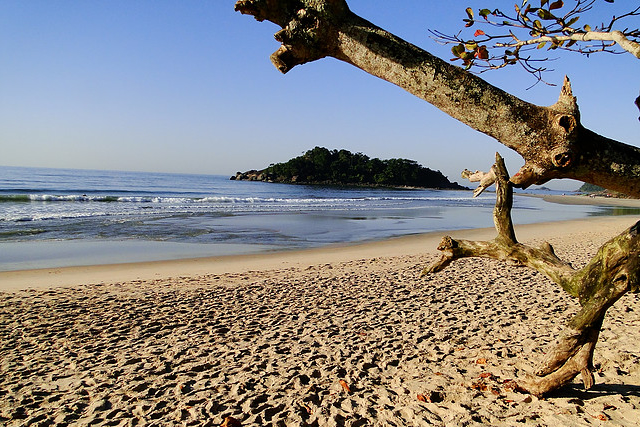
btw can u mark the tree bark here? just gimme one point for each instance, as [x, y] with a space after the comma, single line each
[552, 141]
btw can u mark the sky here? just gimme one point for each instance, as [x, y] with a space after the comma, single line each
[186, 86]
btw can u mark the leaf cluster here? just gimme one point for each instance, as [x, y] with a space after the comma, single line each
[341, 167]
[510, 38]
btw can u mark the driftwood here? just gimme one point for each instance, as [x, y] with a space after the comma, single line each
[613, 272]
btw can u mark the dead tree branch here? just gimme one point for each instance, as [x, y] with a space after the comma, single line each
[551, 139]
[613, 272]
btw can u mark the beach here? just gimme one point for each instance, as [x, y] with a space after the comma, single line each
[341, 335]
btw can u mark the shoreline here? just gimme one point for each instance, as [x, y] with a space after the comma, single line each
[417, 244]
[343, 336]
[52, 254]
[574, 199]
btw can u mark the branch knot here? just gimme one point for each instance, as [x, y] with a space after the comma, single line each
[308, 33]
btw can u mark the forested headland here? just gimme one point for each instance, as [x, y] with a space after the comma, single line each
[341, 167]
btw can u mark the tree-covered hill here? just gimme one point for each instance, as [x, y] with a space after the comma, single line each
[341, 167]
[590, 188]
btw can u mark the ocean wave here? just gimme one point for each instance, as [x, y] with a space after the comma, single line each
[15, 198]
[12, 234]
[24, 207]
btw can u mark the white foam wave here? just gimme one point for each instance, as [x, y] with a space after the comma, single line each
[236, 200]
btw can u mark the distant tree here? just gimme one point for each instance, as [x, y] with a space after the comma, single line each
[552, 140]
[590, 188]
[341, 167]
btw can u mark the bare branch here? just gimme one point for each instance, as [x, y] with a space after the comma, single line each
[610, 274]
[485, 179]
[505, 246]
[540, 27]
[616, 37]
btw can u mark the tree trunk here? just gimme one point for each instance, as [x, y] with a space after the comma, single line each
[551, 139]
[610, 274]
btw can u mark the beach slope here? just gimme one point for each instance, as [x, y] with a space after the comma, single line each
[340, 336]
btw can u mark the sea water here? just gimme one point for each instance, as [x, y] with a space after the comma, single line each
[60, 217]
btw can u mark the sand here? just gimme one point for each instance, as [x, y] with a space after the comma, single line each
[338, 336]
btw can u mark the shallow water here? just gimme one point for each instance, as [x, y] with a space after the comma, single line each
[59, 217]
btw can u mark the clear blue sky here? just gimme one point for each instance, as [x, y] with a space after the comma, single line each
[187, 86]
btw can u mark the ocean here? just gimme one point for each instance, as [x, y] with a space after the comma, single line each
[62, 217]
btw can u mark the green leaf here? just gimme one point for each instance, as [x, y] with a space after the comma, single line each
[484, 13]
[587, 28]
[572, 21]
[472, 45]
[469, 12]
[537, 24]
[541, 45]
[545, 14]
[467, 56]
[458, 50]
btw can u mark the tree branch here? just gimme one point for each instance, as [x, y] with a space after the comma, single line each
[614, 36]
[550, 139]
[505, 246]
[614, 271]
[485, 179]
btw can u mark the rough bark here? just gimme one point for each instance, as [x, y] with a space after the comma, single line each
[609, 275]
[551, 139]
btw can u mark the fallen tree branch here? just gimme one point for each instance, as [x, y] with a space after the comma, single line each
[505, 246]
[552, 141]
[486, 180]
[610, 274]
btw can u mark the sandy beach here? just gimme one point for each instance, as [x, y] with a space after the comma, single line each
[335, 336]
